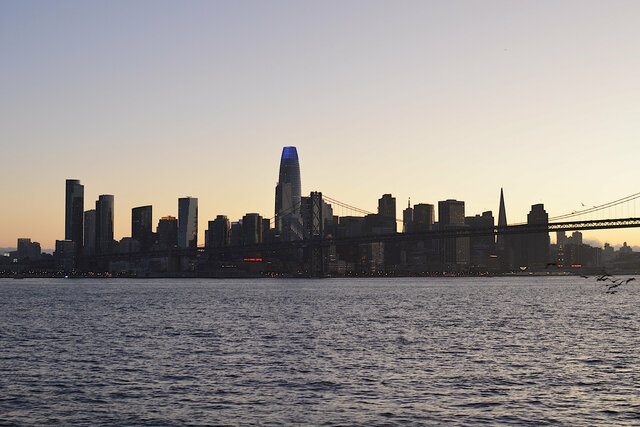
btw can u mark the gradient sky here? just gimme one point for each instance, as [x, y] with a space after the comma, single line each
[155, 100]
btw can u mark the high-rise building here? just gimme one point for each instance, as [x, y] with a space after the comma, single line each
[141, 226]
[218, 233]
[28, 250]
[188, 222]
[502, 222]
[235, 232]
[251, 229]
[481, 247]
[167, 232]
[89, 232]
[74, 211]
[288, 194]
[407, 218]
[455, 251]
[104, 224]
[537, 243]
[387, 206]
[423, 217]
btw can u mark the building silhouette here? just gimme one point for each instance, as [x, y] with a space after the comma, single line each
[504, 246]
[288, 194]
[89, 247]
[454, 251]
[141, 226]
[187, 222]
[167, 232]
[104, 224]
[481, 248]
[218, 234]
[537, 245]
[423, 217]
[74, 213]
[251, 229]
[387, 210]
[407, 218]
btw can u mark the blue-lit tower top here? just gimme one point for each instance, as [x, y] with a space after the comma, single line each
[289, 174]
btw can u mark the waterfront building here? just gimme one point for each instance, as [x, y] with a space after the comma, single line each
[187, 222]
[141, 226]
[218, 234]
[64, 254]
[454, 251]
[407, 218]
[423, 217]
[236, 233]
[74, 210]
[505, 245]
[251, 229]
[104, 224]
[28, 250]
[167, 232]
[387, 209]
[538, 243]
[481, 248]
[89, 247]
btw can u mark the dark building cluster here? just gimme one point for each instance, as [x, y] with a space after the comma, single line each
[305, 238]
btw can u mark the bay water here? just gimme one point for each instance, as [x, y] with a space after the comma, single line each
[507, 350]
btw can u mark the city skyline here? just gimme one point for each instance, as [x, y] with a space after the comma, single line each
[432, 101]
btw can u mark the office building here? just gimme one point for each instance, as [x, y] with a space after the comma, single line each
[167, 232]
[104, 224]
[538, 243]
[454, 251]
[28, 250]
[219, 233]
[251, 229]
[481, 248]
[387, 209]
[141, 226]
[74, 211]
[423, 217]
[89, 247]
[188, 222]
[407, 218]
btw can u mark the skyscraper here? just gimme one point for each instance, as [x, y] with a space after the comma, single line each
[167, 232]
[74, 212]
[104, 224]
[455, 251]
[141, 218]
[407, 218]
[387, 210]
[423, 216]
[502, 222]
[188, 222]
[218, 233]
[251, 229]
[538, 243]
[288, 193]
[89, 232]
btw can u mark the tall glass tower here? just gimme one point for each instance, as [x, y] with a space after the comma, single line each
[104, 224]
[288, 192]
[74, 212]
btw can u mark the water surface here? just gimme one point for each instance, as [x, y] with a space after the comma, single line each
[340, 351]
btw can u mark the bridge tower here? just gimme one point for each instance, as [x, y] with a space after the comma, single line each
[313, 223]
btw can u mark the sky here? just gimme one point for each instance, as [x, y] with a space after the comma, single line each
[155, 100]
